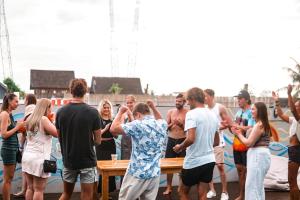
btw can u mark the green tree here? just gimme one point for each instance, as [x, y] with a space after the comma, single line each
[13, 87]
[115, 89]
[295, 76]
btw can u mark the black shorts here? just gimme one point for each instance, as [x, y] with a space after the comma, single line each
[240, 157]
[294, 154]
[203, 173]
[171, 143]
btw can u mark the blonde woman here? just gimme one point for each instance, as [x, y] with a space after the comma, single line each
[108, 145]
[39, 141]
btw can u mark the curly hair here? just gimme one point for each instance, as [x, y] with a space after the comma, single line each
[78, 87]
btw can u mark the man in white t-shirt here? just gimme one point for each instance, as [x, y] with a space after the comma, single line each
[222, 115]
[201, 126]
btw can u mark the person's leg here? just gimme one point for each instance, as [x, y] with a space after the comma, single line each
[87, 191]
[184, 192]
[8, 175]
[69, 178]
[202, 191]
[293, 168]
[29, 190]
[242, 179]
[151, 187]
[68, 191]
[39, 185]
[131, 188]
[222, 177]
[24, 187]
[88, 178]
[170, 154]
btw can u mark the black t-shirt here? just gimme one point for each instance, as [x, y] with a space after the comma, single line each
[76, 123]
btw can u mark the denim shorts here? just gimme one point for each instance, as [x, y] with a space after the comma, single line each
[87, 175]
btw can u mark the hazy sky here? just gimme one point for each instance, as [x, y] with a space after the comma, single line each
[219, 44]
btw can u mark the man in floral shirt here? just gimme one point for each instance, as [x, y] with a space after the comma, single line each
[149, 135]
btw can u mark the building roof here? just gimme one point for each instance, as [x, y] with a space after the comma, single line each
[101, 85]
[3, 86]
[50, 79]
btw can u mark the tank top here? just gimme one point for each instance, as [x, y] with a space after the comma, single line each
[12, 142]
[216, 110]
[264, 140]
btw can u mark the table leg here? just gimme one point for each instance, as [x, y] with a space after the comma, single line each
[104, 186]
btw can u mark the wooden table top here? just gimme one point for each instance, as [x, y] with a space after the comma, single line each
[165, 163]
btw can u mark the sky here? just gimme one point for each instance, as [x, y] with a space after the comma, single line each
[178, 44]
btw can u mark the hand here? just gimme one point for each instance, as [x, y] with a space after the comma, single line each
[106, 128]
[20, 125]
[150, 103]
[236, 131]
[123, 109]
[177, 148]
[289, 89]
[275, 96]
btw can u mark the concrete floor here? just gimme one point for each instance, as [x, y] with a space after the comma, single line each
[233, 192]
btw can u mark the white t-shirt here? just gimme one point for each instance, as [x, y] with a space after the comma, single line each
[293, 126]
[206, 124]
[216, 110]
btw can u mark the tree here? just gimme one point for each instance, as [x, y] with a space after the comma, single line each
[295, 75]
[115, 89]
[13, 87]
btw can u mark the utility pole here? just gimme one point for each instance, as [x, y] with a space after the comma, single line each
[4, 44]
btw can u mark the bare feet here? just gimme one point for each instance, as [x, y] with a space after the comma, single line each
[167, 191]
[20, 194]
[239, 198]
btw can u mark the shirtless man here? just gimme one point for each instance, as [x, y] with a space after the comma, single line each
[176, 120]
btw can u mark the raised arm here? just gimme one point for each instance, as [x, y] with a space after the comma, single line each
[156, 113]
[291, 103]
[49, 127]
[278, 108]
[116, 128]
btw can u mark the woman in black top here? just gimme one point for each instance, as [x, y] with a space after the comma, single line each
[108, 145]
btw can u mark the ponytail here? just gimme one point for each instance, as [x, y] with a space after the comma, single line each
[7, 98]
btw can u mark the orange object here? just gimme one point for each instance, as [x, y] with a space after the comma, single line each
[51, 117]
[274, 133]
[238, 145]
[22, 129]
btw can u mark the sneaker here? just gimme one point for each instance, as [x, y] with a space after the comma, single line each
[211, 194]
[224, 196]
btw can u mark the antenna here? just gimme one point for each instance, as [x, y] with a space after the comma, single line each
[4, 44]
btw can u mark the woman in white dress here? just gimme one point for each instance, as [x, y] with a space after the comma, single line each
[39, 142]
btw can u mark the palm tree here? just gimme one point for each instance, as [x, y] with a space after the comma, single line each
[295, 75]
[115, 88]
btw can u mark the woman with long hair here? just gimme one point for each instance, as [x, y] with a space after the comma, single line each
[108, 145]
[39, 142]
[258, 154]
[10, 143]
[30, 102]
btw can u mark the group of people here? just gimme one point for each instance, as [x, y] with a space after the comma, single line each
[197, 134]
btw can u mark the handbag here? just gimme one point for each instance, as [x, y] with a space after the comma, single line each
[19, 156]
[50, 166]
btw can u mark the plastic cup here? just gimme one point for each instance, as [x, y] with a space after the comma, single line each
[114, 158]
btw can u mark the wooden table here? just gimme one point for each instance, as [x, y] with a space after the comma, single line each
[118, 168]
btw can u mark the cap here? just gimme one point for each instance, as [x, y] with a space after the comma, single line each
[243, 94]
[29, 110]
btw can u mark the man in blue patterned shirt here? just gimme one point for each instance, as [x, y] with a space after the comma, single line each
[149, 135]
